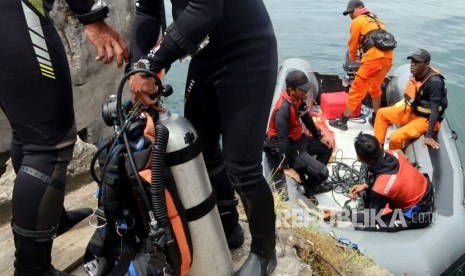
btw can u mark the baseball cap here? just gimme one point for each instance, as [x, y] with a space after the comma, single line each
[420, 55]
[298, 79]
[352, 5]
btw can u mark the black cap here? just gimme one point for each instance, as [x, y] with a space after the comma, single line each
[352, 5]
[420, 55]
[298, 79]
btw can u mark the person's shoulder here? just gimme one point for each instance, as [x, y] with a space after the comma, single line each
[359, 19]
[383, 184]
[436, 78]
[435, 81]
[284, 105]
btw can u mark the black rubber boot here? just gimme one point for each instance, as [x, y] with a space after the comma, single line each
[34, 258]
[70, 218]
[257, 265]
[339, 123]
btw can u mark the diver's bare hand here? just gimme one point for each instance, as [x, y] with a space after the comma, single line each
[107, 42]
[142, 88]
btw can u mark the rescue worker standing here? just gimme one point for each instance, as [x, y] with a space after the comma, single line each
[37, 99]
[228, 94]
[407, 192]
[374, 63]
[285, 135]
[421, 111]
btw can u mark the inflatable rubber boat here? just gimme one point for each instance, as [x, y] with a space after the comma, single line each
[435, 250]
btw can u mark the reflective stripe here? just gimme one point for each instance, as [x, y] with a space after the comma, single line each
[425, 110]
[37, 174]
[37, 37]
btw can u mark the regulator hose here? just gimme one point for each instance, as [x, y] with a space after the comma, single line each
[157, 189]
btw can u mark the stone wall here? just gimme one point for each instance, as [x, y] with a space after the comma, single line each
[93, 81]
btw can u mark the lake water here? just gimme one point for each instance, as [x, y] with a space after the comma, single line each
[317, 32]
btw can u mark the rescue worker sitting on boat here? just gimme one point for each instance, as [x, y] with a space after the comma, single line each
[397, 185]
[286, 140]
[422, 110]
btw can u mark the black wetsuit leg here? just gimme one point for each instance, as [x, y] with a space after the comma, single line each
[230, 94]
[36, 97]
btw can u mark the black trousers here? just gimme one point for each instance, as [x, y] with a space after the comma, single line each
[36, 96]
[228, 95]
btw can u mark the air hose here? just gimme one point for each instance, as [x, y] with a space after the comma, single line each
[119, 112]
[157, 188]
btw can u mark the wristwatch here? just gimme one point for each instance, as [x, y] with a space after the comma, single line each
[143, 63]
[98, 5]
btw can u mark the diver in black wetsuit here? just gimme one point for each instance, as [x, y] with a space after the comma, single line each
[37, 99]
[228, 94]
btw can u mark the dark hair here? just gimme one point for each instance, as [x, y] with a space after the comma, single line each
[367, 148]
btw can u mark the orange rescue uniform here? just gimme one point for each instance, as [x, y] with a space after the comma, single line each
[412, 125]
[374, 65]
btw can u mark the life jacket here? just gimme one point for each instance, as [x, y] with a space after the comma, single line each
[404, 188]
[295, 124]
[419, 99]
[126, 241]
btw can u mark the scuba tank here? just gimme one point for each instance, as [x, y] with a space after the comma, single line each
[184, 157]
[157, 212]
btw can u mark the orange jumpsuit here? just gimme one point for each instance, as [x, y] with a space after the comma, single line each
[374, 65]
[412, 125]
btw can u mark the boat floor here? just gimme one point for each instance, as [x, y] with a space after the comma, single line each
[344, 152]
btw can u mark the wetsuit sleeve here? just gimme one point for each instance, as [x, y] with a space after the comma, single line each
[355, 31]
[435, 87]
[80, 6]
[85, 13]
[146, 27]
[310, 125]
[193, 23]
[282, 126]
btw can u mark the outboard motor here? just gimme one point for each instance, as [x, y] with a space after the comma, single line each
[350, 67]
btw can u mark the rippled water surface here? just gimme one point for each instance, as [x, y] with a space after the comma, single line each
[317, 32]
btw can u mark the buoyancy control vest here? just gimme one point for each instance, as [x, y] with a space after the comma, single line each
[419, 98]
[155, 221]
[128, 237]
